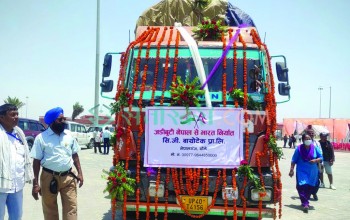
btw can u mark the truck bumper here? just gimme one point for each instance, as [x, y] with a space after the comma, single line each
[215, 210]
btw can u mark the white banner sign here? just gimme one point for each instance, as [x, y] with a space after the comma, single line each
[200, 137]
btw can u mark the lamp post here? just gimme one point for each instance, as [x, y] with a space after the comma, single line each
[330, 98]
[26, 106]
[320, 89]
[97, 85]
[330, 101]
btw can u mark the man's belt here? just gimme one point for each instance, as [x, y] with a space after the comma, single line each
[57, 173]
[61, 173]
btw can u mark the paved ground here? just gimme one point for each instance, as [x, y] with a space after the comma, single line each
[92, 204]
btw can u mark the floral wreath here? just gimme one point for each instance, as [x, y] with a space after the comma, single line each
[185, 94]
[209, 29]
[118, 182]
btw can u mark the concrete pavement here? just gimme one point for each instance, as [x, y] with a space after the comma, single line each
[93, 204]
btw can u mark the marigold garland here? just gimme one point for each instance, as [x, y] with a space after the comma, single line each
[224, 64]
[234, 186]
[224, 184]
[156, 197]
[167, 181]
[155, 81]
[241, 193]
[166, 68]
[176, 57]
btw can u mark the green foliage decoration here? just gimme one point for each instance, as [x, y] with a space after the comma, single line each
[245, 170]
[118, 182]
[273, 145]
[123, 101]
[238, 95]
[185, 93]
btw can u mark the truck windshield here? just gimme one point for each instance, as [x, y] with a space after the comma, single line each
[186, 68]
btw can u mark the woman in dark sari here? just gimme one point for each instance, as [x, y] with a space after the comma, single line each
[306, 156]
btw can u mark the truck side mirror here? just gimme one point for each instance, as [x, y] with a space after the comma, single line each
[107, 64]
[107, 85]
[282, 72]
[283, 89]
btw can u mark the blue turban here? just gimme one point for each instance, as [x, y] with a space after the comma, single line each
[52, 115]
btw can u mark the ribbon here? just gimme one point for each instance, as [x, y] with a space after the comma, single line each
[228, 46]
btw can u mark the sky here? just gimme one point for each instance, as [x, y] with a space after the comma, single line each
[48, 51]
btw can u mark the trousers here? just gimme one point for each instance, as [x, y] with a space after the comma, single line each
[14, 203]
[106, 145]
[67, 188]
[304, 192]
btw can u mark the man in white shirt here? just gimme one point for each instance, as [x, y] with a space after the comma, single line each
[97, 140]
[106, 135]
[15, 163]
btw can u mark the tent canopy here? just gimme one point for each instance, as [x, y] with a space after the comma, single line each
[319, 128]
[337, 128]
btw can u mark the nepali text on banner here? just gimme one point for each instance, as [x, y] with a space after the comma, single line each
[197, 137]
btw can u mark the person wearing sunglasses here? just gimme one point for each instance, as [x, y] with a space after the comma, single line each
[15, 163]
[56, 151]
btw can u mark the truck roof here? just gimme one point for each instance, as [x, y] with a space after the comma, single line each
[244, 32]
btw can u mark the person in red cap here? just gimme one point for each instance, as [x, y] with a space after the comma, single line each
[56, 151]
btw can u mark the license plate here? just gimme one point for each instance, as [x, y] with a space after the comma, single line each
[195, 203]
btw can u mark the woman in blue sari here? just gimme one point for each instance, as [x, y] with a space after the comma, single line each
[306, 156]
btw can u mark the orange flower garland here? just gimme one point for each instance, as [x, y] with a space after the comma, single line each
[224, 184]
[241, 193]
[141, 40]
[166, 68]
[182, 187]
[156, 197]
[207, 183]
[167, 181]
[176, 57]
[224, 63]
[234, 186]
[157, 65]
[114, 208]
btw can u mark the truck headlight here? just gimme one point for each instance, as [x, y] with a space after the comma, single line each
[152, 189]
[229, 193]
[254, 195]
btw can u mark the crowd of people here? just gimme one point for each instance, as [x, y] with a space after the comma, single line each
[311, 159]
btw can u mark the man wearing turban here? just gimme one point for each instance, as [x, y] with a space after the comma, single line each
[15, 163]
[56, 151]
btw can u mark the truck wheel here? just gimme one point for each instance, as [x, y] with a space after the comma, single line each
[90, 144]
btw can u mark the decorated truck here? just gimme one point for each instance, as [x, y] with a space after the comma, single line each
[195, 113]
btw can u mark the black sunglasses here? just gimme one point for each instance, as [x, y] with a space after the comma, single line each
[61, 119]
